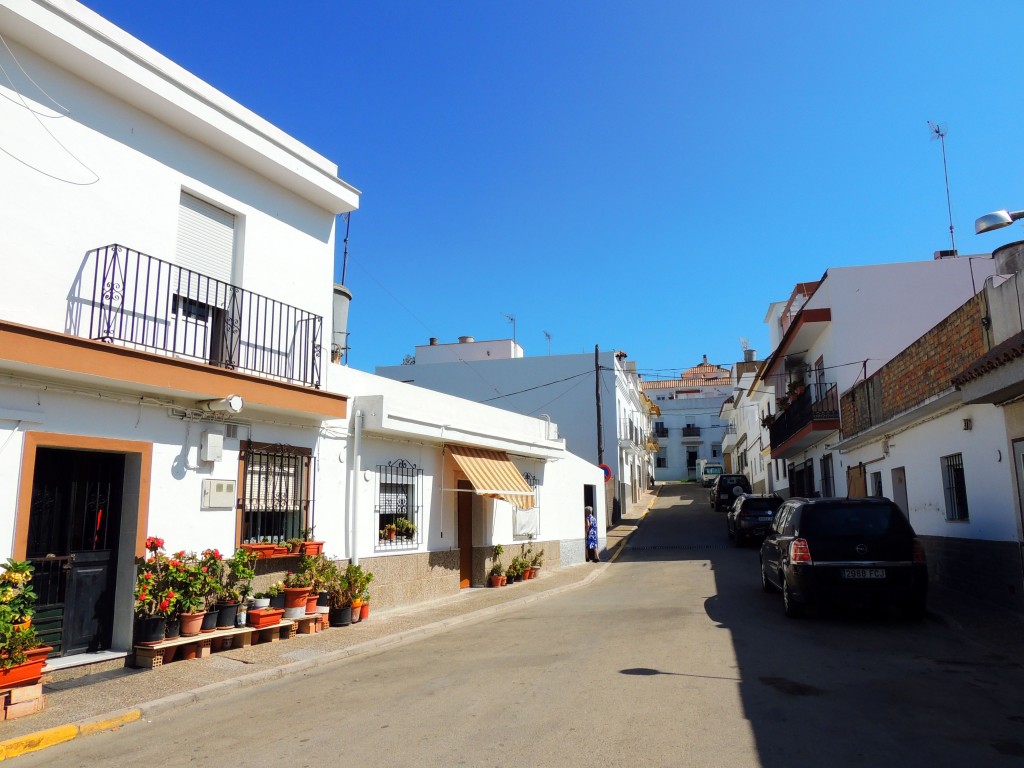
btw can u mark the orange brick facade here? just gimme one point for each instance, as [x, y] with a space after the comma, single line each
[921, 371]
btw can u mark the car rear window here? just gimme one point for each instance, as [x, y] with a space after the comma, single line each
[727, 482]
[841, 520]
[759, 505]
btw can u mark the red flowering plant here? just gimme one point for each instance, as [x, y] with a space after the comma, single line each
[188, 581]
[211, 566]
[154, 594]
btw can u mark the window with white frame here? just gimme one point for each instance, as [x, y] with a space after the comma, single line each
[828, 486]
[954, 487]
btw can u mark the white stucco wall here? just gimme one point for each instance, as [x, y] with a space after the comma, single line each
[121, 177]
[988, 473]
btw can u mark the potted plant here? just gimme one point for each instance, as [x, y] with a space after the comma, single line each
[309, 545]
[211, 565]
[338, 596]
[294, 546]
[21, 655]
[537, 561]
[496, 568]
[388, 533]
[404, 527]
[190, 587]
[276, 594]
[296, 588]
[154, 597]
[240, 570]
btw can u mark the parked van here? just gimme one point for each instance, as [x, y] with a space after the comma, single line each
[707, 472]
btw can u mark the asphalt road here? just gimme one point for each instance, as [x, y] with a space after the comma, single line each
[674, 657]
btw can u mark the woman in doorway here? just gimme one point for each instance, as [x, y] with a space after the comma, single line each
[588, 514]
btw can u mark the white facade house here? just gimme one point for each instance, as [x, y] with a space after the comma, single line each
[938, 430]
[161, 373]
[841, 329]
[746, 444]
[562, 388]
[690, 427]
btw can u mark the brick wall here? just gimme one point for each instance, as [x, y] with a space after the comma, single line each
[921, 371]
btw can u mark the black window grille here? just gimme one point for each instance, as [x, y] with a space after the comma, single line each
[828, 487]
[277, 498]
[954, 487]
[399, 504]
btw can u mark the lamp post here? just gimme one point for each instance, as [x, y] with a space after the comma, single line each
[996, 220]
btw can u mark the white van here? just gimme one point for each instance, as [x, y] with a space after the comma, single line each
[708, 472]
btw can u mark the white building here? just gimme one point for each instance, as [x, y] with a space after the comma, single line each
[938, 429]
[563, 388]
[176, 384]
[839, 330]
[746, 444]
[690, 426]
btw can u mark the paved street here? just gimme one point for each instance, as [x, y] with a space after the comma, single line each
[674, 657]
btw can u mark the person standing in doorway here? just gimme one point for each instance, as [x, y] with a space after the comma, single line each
[588, 514]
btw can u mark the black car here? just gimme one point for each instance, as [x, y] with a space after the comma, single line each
[725, 489]
[750, 516]
[826, 551]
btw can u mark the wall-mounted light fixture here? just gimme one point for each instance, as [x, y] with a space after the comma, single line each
[229, 404]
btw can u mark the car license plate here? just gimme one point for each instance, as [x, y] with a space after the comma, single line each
[723, 496]
[767, 519]
[863, 573]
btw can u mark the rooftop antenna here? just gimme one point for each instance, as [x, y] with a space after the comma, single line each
[548, 337]
[939, 132]
[344, 258]
[511, 319]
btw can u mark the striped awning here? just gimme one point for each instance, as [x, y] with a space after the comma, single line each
[493, 474]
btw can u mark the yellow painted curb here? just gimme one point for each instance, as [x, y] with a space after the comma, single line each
[36, 741]
[109, 723]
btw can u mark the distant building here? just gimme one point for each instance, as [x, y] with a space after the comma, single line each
[746, 445]
[561, 388]
[689, 427]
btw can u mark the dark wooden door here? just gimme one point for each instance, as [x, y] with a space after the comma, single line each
[74, 525]
[464, 506]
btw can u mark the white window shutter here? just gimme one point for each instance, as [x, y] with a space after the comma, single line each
[206, 238]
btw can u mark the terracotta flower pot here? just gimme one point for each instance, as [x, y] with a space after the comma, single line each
[495, 581]
[265, 617]
[364, 612]
[295, 597]
[28, 672]
[191, 623]
[311, 599]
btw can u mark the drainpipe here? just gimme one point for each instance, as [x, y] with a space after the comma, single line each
[354, 519]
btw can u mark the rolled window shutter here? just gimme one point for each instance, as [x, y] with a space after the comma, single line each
[206, 238]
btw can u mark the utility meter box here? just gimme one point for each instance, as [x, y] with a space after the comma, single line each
[211, 446]
[219, 494]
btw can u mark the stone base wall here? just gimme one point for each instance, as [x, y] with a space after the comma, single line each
[483, 558]
[414, 578]
[990, 570]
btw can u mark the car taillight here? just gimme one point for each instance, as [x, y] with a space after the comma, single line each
[799, 552]
[918, 552]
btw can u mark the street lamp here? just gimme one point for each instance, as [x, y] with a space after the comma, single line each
[996, 220]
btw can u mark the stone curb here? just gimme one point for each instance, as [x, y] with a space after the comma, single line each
[33, 742]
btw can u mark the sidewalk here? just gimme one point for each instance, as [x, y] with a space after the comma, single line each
[106, 700]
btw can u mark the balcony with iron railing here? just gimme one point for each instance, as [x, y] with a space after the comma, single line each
[143, 302]
[807, 417]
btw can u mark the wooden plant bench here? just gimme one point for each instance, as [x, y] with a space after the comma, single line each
[152, 656]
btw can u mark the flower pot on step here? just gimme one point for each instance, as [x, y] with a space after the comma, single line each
[149, 630]
[191, 623]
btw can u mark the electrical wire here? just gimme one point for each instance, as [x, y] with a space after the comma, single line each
[14, 58]
[539, 386]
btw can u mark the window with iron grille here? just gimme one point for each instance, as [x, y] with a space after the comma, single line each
[398, 507]
[276, 498]
[662, 460]
[954, 487]
[828, 487]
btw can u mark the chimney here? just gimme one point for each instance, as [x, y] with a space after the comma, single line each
[705, 360]
[339, 330]
[466, 339]
[749, 355]
[433, 341]
[951, 254]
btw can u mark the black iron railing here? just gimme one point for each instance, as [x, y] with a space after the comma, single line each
[818, 402]
[148, 303]
[691, 431]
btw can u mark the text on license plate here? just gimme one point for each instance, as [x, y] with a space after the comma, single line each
[863, 573]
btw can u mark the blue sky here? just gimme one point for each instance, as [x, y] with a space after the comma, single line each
[643, 176]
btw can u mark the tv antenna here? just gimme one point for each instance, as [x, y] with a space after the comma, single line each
[548, 337]
[939, 132]
[511, 319]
